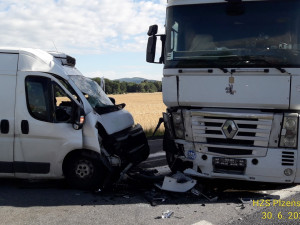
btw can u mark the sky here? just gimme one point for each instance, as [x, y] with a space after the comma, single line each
[108, 38]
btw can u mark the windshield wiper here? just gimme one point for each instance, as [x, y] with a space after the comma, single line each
[251, 59]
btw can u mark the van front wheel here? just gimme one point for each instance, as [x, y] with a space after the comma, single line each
[84, 173]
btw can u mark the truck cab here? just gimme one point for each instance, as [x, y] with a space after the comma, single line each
[231, 85]
[56, 123]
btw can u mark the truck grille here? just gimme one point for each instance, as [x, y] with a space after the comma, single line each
[238, 129]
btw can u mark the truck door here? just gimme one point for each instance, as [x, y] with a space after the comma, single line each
[44, 129]
[8, 70]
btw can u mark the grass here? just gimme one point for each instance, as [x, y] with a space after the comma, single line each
[146, 109]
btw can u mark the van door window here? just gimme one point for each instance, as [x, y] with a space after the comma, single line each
[62, 103]
[38, 97]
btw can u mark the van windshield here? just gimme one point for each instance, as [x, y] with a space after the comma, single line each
[92, 91]
[234, 34]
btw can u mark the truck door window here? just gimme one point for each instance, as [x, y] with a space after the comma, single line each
[174, 36]
[38, 97]
[62, 104]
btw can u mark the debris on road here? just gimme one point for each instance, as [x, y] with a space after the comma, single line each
[177, 183]
[246, 200]
[167, 214]
[154, 198]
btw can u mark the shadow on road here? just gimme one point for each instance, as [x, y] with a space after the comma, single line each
[24, 193]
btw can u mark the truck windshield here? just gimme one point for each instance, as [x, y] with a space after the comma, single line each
[246, 34]
[92, 91]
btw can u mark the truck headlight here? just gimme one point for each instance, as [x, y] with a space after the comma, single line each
[178, 125]
[289, 131]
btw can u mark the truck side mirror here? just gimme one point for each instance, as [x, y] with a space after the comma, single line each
[151, 45]
[79, 118]
[152, 30]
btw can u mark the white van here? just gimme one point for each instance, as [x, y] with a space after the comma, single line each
[56, 123]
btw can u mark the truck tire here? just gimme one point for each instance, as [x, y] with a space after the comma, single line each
[84, 173]
[172, 152]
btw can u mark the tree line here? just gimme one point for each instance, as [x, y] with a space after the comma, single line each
[121, 87]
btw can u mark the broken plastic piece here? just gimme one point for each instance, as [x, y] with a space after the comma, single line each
[211, 199]
[192, 172]
[195, 192]
[177, 183]
[167, 214]
[246, 200]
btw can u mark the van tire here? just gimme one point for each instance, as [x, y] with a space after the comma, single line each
[84, 173]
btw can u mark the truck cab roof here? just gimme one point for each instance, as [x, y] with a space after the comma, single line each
[189, 2]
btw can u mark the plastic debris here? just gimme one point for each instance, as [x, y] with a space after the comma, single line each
[195, 192]
[210, 198]
[177, 183]
[192, 172]
[98, 191]
[246, 200]
[154, 198]
[167, 214]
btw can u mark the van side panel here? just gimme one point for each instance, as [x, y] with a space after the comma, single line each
[8, 69]
[39, 153]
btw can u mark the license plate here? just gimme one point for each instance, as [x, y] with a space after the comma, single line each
[229, 162]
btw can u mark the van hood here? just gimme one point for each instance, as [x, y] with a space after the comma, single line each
[116, 121]
[259, 91]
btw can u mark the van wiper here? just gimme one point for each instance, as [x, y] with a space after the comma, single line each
[109, 108]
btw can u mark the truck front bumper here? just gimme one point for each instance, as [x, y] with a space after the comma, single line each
[277, 165]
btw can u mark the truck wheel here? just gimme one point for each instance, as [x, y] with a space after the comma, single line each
[172, 152]
[84, 173]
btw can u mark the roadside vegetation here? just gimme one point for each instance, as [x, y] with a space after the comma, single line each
[122, 87]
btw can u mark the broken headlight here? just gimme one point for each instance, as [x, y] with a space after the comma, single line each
[178, 124]
[289, 131]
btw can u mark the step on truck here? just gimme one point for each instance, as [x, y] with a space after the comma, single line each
[56, 123]
[231, 84]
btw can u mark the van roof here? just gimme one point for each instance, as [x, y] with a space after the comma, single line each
[38, 60]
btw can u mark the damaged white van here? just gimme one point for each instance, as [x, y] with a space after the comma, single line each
[56, 123]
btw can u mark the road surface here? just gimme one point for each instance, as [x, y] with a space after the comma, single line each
[51, 202]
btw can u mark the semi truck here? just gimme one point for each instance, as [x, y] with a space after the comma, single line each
[56, 123]
[231, 84]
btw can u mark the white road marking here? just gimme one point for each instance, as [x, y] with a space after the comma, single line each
[203, 222]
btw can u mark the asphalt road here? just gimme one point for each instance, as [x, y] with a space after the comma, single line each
[139, 202]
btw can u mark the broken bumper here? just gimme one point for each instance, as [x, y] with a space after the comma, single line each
[130, 145]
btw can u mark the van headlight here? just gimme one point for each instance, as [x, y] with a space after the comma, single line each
[289, 131]
[178, 125]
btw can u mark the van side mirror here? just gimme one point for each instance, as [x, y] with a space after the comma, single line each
[79, 118]
[151, 45]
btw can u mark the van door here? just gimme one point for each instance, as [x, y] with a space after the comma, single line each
[44, 129]
[8, 71]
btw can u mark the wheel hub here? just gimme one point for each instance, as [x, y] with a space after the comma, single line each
[84, 169]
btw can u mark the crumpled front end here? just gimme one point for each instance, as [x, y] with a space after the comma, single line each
[129, 146]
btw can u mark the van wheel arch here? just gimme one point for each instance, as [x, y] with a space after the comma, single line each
[83, 169]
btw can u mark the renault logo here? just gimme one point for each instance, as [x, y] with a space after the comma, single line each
[229, 129]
